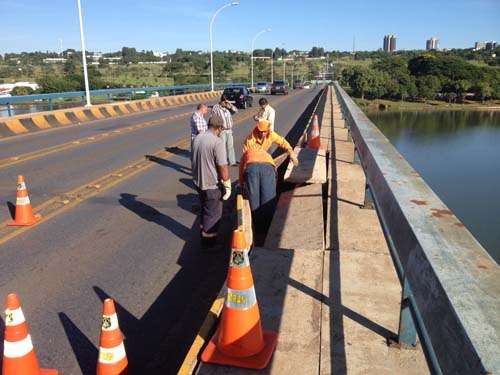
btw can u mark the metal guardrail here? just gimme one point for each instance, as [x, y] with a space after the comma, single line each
[451, 286]
[110, 93]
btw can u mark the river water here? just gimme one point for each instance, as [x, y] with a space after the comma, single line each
[458, 155]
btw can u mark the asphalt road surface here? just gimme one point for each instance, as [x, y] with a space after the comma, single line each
[136, 242]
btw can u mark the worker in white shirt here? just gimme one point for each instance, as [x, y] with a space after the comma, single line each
[266, 112]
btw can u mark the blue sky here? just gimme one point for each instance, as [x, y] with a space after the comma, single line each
[28, 25]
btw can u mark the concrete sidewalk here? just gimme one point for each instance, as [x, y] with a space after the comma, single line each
[325, 279]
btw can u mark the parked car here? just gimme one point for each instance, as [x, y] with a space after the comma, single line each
[279, 87]
[298, 84]
[307, 85]
[239, 96]
[262, 87]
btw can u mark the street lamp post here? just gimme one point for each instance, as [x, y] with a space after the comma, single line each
[84, 57]
[253, 42]
[272, 67]
[211, 40]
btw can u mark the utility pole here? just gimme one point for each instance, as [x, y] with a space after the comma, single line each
[84, 57]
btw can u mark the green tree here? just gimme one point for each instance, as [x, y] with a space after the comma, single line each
[483, 90]
[428, 86]
[21, 90]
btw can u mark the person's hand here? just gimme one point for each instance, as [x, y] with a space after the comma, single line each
[293, 158]
[227, 189]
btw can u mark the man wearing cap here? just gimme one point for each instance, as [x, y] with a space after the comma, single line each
[258, 172]
[211, 177]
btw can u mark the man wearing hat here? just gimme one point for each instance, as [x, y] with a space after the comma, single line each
[258, 172]
[211, 177]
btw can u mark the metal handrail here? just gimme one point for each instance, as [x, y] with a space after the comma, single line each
[451, 285]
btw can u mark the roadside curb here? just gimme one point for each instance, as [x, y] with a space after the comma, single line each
[39, 121]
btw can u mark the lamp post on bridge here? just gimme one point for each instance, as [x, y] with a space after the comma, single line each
[84, 57]
[234, 3]
[253, 43]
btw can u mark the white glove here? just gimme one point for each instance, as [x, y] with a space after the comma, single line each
[294, 159]
[227, 189]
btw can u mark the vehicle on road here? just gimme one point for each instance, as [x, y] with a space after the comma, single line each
[306, 85]
[279, 87]
[262, 87]
[298, 84]
[239, 96]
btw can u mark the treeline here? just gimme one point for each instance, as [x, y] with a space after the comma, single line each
[425, 76]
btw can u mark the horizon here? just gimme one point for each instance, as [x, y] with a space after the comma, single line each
[331, 24]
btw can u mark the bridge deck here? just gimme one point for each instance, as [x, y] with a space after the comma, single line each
[334, 308]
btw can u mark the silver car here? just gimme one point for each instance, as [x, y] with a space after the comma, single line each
[262, 87]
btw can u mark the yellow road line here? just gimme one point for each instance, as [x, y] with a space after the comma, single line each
[64, 202]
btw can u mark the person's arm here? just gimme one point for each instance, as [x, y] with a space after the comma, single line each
[283, 143]
[272, 116]
[222, 168]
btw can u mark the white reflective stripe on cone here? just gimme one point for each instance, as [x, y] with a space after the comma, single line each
[21, 186]
[241, 299]
[17, 349]
[14, 317]
[109, 356]
[109, 322]
[22, 201]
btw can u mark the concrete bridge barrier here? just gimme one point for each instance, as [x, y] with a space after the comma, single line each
[34, 122]
[450, 284]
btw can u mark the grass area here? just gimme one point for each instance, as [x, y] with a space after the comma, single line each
[431, 105]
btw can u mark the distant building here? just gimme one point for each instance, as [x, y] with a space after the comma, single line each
[390, 43]
[491, 45]
[432, 44]
[6, 88]
[54, 60]
[161, 55]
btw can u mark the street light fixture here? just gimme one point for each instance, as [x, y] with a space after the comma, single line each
[234, 3]
[84, 57]
[253, 42]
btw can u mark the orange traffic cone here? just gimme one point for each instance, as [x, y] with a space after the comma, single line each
[24, 213]
[314, 141]
[112, 357]
[18, 354]
[239, 340]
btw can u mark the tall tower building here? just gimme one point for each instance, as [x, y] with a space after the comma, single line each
[390, 43]
[432, 44]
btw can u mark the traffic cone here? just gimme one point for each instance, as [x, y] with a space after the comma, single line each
[112, 357]
[314, 141]
[240, 340]
[18, 354]
[24, 213]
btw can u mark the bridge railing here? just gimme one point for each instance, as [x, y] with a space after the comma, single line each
[126, 92]
[451, 286]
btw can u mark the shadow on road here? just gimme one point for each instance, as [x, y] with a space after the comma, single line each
[151, 214]
[179, 151]
[169, 163]
[85, 351]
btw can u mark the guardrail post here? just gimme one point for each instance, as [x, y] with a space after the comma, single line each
[407, 335]
[109, 98]
[9, 109]
[51, 107]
